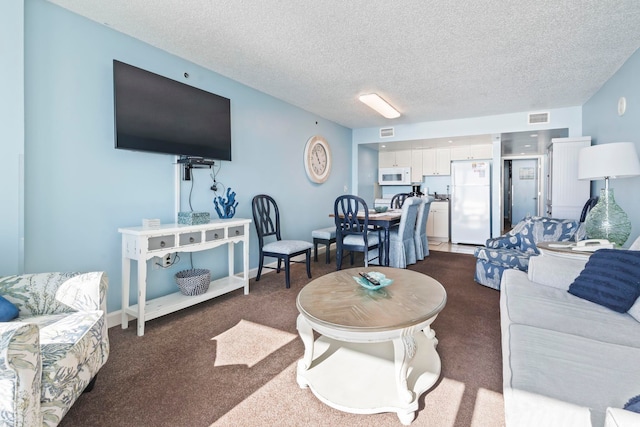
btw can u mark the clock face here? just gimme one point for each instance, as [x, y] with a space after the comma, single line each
[317, 159]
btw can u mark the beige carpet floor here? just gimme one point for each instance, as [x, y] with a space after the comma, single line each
[231, 361]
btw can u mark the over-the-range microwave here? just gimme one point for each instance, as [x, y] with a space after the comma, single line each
[394, 176]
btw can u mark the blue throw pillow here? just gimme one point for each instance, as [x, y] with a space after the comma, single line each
[610, 278]
[633, 404]
[8, 311]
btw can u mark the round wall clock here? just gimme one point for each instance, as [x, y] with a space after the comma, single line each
[317, 159]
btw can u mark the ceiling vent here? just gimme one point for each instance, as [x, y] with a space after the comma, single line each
[386, 132]
[538, 118]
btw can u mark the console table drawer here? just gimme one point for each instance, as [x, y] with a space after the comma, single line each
[162, 242]
[236, 231]
[216, 234]
[190, 238]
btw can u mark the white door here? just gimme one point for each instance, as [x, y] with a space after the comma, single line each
[524, 191]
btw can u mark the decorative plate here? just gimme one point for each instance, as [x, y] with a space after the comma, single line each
[381, 278]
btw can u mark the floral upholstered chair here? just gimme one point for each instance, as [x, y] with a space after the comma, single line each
[53, 350]
[514, 249]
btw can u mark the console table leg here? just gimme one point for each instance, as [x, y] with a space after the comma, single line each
[404, 349]
[142, 294]
[126, 271]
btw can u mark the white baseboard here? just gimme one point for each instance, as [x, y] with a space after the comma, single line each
[114, 318]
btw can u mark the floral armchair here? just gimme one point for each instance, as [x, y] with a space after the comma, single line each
[53, 350]
[514, 249]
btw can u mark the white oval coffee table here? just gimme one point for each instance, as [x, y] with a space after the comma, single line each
[376, 349]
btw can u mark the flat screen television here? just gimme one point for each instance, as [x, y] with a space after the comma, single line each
[157, 114]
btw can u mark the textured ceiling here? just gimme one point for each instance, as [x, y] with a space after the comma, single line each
[433, 60]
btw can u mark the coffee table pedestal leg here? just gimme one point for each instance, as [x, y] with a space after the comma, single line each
[306, 334]
[369, 377]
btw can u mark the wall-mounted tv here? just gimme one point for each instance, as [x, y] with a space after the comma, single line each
[157, 114]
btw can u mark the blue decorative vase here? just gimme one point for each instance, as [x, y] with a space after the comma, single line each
[226, 208]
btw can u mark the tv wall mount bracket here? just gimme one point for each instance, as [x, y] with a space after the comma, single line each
[191, 162]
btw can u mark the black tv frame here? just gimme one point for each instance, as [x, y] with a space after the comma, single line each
[153, 113]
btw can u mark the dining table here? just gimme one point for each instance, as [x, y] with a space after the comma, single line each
[384, 220]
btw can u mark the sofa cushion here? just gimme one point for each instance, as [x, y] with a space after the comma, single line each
[571, 368]
[555, 271]
[8, 310]
[634, 311]
[618, 417]
[610, 278]
[555, 309]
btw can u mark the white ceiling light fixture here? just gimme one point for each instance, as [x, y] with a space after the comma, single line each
[374, 101]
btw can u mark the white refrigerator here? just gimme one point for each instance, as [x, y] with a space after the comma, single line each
[471, 201]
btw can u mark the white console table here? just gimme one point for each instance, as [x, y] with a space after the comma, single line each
[141, 244]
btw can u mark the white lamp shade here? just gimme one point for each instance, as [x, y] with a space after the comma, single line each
[614, 160]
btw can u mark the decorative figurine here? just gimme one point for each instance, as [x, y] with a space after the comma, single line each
[226, 208]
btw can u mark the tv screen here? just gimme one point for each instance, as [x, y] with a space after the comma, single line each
[157, 114]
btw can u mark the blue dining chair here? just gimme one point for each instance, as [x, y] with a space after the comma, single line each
[266, 218]
[398, 200]
[352, 230]
[420, 235]
[402, 247]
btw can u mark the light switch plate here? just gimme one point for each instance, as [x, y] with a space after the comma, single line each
[622, 105]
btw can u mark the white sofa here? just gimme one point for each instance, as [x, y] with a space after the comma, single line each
[566, 361]
[52, 352]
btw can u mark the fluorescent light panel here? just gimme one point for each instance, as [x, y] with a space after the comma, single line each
[380, 105]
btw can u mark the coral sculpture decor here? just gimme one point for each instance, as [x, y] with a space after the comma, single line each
[226, 208]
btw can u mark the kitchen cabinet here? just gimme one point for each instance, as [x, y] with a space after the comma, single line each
[392, 159]
[436, 161]
[438, 221]
[472, 152]
[566, 194]
[416, 165]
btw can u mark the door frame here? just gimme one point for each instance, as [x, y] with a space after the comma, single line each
[542, 179]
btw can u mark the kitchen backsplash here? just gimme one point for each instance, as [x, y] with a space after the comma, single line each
[434, 184]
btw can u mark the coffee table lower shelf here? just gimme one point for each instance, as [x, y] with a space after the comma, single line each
[360, 378]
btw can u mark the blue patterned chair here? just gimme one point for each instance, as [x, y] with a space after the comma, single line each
[53, 350]
[514, 249]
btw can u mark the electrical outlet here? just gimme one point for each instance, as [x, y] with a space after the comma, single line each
[166, 260]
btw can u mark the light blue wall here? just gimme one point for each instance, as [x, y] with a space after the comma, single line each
[80, 190]
[12, 141]
[602, 122]
[367, 174]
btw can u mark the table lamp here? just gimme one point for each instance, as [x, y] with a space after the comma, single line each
[607, 220]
